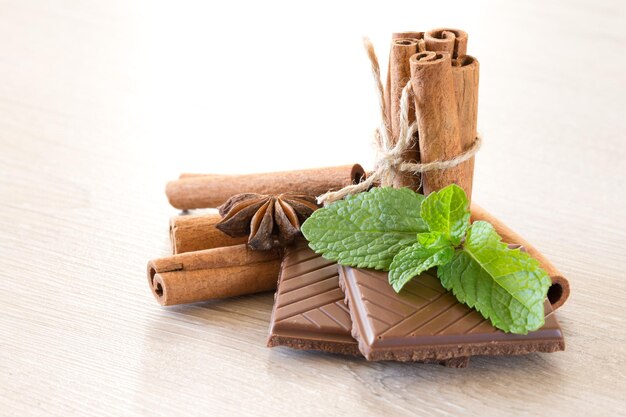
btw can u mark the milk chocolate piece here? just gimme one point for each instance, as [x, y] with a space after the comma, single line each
[426, 323]
[309, 311]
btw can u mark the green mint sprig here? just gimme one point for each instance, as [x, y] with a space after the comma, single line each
[406, 234]
[366, 230]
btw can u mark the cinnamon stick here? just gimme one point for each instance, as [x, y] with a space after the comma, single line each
[212, 190]
[400, 74]
[212, 273]
[465, 75]
[196, 232]
[418, 36]
[421, 46]
[452, 41]
[408, 35]
[437, 118]
[559, 291]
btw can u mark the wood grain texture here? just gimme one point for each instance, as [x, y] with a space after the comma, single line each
[100, 103]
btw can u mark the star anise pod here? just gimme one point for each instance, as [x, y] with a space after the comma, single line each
[268, 220]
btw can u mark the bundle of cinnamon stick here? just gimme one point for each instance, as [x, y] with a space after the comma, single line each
[207, 263]
[444, 81]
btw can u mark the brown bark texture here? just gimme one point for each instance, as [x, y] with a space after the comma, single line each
[213, 273]
[452, 41]
[211, 190]
[465, 75]
[189, 233]
[400, 74]
[437, 118]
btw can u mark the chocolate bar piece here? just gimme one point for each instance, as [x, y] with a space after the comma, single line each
[309, 311]
[426, 323]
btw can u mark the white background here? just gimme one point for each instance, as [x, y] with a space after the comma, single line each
[102, 102]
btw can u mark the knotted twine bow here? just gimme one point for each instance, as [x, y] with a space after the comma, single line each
[390, 155]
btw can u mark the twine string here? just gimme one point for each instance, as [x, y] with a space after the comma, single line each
[390, 161]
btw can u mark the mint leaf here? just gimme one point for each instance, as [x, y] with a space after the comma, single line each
[447, 211]
[366, 230]
[432, 239]
[432, 249]
[506, 286]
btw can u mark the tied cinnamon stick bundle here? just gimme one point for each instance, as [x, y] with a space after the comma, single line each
[212, 274]
[437, 119]
[212, 190]
[452, 41]
[559, 291]
[196, 232]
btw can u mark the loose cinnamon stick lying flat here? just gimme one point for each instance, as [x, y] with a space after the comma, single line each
[197, 237]
[437, 118]
[212, 190]
[452, 41]
[196, 232]
[465, 76]
[559, 291]
[212, 273]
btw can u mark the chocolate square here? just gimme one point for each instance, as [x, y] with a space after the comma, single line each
[309, 310]
[426, 323]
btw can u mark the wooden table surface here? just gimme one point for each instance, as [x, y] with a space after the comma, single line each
[102, 102]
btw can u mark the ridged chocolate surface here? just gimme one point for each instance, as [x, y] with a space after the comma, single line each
[309, 311]
[426, 322]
